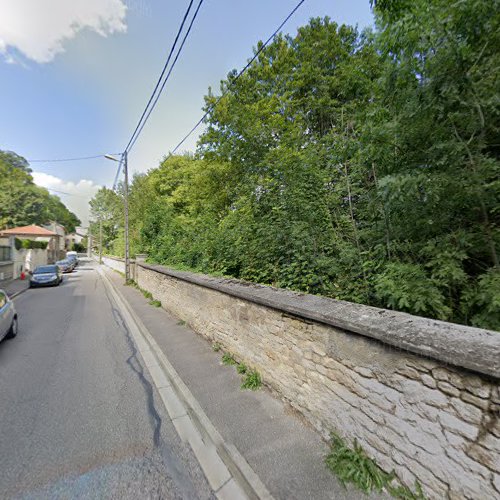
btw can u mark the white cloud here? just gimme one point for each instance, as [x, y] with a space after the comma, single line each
[39, 28]
[78, 194]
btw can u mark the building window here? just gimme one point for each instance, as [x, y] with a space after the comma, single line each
[4, 253]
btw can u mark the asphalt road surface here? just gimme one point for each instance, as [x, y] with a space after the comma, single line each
[79, 417]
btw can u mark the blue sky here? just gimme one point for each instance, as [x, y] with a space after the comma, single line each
[75, 76]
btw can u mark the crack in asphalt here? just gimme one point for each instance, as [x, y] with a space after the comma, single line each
[137, 368]
[178, 474]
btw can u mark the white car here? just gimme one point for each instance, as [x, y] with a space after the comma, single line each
[8, 317]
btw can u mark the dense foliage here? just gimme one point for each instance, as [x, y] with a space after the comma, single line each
[361, 166]
[22, 202]
[30, 244]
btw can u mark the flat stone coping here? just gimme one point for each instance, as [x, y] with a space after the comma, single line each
[473, 348]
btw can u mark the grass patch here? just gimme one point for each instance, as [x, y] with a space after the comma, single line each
[216, 347]
[155, 303]
[181, 322]
[353, 465]
[146, 294]
[241, 368]
[252, 380]
[227, 359]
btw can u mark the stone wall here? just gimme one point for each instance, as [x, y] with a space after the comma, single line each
[117, 263]
[420, 396]
[113, 262]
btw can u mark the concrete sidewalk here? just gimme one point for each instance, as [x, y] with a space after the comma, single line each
[15, 287]
[285, 452]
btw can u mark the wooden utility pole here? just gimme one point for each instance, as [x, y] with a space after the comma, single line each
[100, 240]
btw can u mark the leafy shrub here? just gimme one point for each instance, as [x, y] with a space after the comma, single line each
[482, 301]
[406, 287]
[30, 244]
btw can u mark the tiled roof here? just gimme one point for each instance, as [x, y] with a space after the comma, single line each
[28, 231]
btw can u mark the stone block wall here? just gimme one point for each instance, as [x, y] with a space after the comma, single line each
[420, 396]
[117, 263]
[113, 262]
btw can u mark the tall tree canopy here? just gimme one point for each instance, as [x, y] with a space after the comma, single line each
[361, 166]
[22, 202]
[106, 213]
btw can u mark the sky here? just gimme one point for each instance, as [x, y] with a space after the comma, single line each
[75, 76]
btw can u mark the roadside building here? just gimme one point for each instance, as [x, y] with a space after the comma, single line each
[77, 237]
[30, 246]
[6, 258]
[57, 247]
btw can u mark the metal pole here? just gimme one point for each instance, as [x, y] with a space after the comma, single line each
[100, 240]
[125, 206]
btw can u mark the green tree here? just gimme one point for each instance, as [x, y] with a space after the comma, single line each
[361, 166]
[106, 209]
[22, 202]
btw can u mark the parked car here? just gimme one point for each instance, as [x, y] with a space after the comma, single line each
[46, 276]
[72, 258]
[65, 265]
[8, 317]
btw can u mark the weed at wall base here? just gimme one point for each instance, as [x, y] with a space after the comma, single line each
[352, 465]
[147, 295]
[252, 380]
[227, 359]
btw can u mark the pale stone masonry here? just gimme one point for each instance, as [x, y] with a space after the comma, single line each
[420, 396]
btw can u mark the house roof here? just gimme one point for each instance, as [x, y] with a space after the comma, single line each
[28, 231]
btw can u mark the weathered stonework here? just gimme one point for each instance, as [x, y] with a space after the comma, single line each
[426, 418]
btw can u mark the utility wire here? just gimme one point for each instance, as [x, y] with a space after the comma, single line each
[67, 159]
[168, 75]
[231, 84]
[63, 192]
[181, 27]
[131, 145]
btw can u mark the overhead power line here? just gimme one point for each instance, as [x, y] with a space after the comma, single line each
[140, 125]
[132, 142]
[67, 159]
[64, 192]
[231, 84]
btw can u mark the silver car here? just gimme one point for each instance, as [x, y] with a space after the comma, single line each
[8, 317]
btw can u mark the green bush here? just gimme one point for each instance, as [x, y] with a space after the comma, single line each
[30, 244]
[78, 247]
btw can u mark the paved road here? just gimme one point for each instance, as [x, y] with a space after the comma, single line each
[79, 417]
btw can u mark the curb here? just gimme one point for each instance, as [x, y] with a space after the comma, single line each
[14, 295]
[227, 471]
